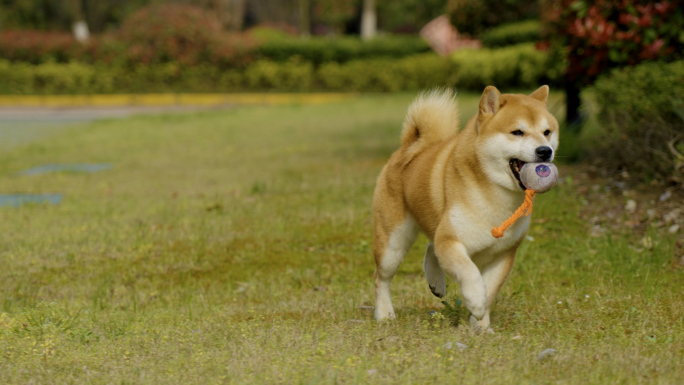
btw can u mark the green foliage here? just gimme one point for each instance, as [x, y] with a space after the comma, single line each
[334, 13]
[597, 36]
[413, 72]
[54, 78]
[408, 16]
[16, 78]
[35, 14]
[512, 33]
[294, 75]
[52, 15]
[264, 33]
[35, 47]
[180, 33]
[472, 17]
[520, 66]
[514, 66]
[641, 122]
[410, 73]
[176, 34]
[319, 50]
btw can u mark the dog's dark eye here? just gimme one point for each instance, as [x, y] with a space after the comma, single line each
[518, 133]
[547, 132]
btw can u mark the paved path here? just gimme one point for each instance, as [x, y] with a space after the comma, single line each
[24, 118]
[23, 124]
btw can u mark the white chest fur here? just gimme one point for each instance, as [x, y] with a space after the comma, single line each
[472, 227]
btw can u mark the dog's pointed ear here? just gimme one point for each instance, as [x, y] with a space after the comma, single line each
[541, 94]
[490, 101]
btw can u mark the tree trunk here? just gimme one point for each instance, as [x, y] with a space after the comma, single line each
[369, 20]
[572, 104]
[274, 11]
[235, 14]
[79, 27]
[304, 18]
[231, 13]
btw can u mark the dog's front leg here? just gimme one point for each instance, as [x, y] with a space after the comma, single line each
[456, 263]
[495, 274]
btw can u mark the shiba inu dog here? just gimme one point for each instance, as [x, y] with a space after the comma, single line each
[456, 186]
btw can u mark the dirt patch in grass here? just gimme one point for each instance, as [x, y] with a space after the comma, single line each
[614, 203]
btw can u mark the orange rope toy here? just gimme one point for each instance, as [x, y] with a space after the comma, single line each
[524, 209]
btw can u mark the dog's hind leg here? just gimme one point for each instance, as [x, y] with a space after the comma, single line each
[390, 248]
[433, 272]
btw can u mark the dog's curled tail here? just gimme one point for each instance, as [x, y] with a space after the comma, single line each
[431, 118]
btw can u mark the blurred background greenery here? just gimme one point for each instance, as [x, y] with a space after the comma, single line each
[630, 48]
[233, 245]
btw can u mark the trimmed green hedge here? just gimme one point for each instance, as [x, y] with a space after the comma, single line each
[512, 33]
[511, 67]
[642, 114]
[411, 73]
[520, 65]
[319, 50]
[52, 78]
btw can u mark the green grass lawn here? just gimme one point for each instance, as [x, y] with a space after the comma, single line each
[235, 247]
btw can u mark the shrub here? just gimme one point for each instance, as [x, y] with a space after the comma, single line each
[510, 67]
[272, 32]
[472, 17]
[169, 32]
[54, 78]
[643, 128]
[15, 78]
[38, 46]
[176, 34]
[512, 33]
[514, 66]
[319, 50]
[426, 71]
[597, 36]
[360, 75]
[410, 73]
[180, 33]
[292, 75]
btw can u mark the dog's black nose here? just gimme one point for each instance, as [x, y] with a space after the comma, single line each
[544, 153]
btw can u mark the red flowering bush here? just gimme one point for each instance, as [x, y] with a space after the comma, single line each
[38, 46]
[180, 33]
[597, 35]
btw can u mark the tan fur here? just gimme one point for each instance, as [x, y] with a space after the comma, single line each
[431, 118]
[455, 186]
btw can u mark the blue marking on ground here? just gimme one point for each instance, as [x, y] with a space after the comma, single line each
[72, 167]
[16, 200]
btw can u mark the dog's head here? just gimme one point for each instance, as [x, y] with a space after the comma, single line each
[514, 130]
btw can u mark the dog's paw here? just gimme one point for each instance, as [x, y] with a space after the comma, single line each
[387, 316]
[481, 326]
[438, 291]
[383, 311]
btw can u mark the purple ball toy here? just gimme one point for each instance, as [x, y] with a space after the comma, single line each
[539, 177]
